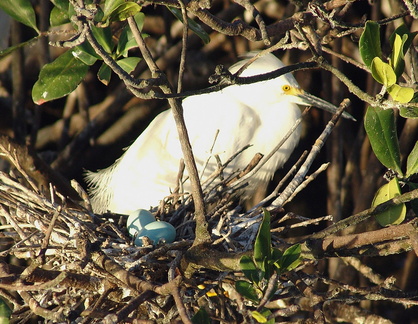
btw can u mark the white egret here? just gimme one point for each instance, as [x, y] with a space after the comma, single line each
[219, 123]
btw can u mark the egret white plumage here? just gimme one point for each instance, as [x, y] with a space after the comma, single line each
[219, 124]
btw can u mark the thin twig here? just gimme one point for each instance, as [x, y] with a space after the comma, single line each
[202, 234]
[275, 149]
[184, 47]
[300, 175]
[308, 180]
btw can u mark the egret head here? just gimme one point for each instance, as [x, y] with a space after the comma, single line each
[280, 91]
[301, 97]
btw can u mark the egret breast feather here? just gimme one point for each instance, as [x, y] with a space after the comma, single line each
[220, 123]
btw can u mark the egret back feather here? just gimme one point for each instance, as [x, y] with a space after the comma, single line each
[219, 123]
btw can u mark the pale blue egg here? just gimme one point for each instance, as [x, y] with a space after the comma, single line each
[157, 231]
[137, 220]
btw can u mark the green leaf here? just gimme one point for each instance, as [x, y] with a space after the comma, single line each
[247, 290]
[104, 37]
[85, 53]
[59, 78]
[262, 245]
[5, 312]
[124, 11]
[110, 6]
[401, 94]
[126, 39]
[58, 17]
[408, 112]
[98, 17]
[10, 50]
[194, 26]
[62, 5]
[20, 10]
[249, 269]
[381, 130]
[276, 255]
[261, 317]
[401, 31]
[369, 45]
[104, 74]
[291, 258]
[382, 72]
[119, 10]
[394, 215]
[400, 41]
[397, 57]
[129, 63]
[412, 161]
[201, 317]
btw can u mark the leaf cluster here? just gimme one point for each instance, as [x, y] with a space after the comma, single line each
[261, 266]
[387, 73]
[380, 124]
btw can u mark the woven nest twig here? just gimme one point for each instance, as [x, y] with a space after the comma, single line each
[84, 267]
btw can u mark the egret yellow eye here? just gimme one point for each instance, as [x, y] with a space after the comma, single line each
[286, 88]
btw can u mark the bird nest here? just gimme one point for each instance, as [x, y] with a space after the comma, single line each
[63, 263]
[82, 266]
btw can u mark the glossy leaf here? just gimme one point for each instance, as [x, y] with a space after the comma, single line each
[124, 11]
[412, 161]
[262, 245]
[129, 63]
[397, 57]
[369, 44]
[59, 78]
[290, 258]
[276, 254]
[118, 10]
[400, 41]
[62, 5]
[20, 10]
[194, 26]
[104, 37]
[401, 94]
[394, 215]
[249, 269]
[98, 17]
[110, 6]
[58, 17]
[381, 130]
[85, 53]
[60, 12]
[247, 290]
[382, 72]
[261, 317]
[408, 112]
[401, 31]
[126, 39]
[201, 317]
[104, 74]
